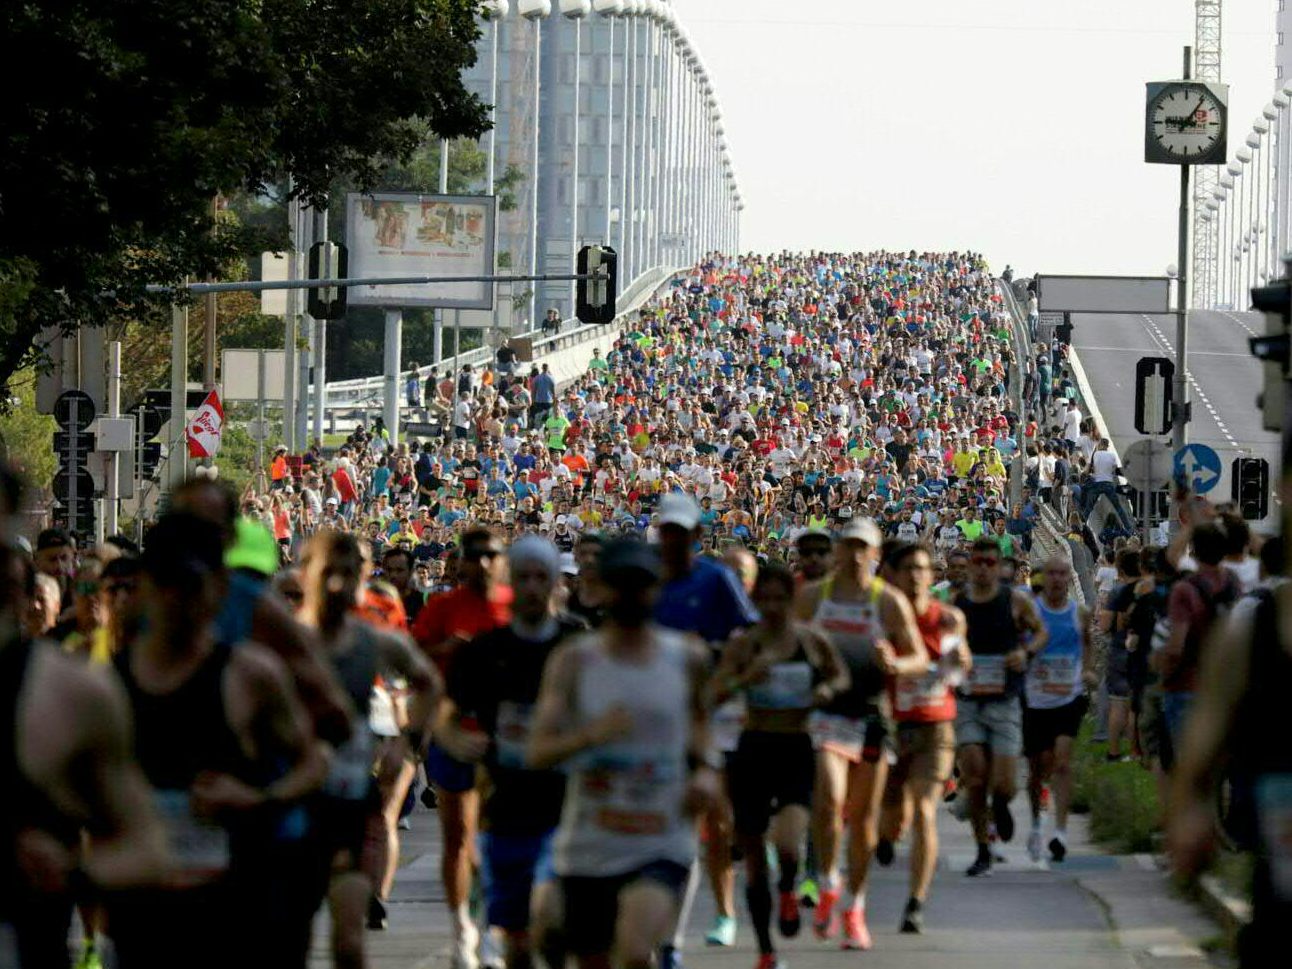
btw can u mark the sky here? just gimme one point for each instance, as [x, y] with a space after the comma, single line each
[1011, 127]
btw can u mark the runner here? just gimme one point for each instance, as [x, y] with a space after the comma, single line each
[784, 669]
[814, 548]
[628, 698]
[227, 749]
[925, 709]
[874, 630]
[1057, 679]
[480, 603]
[491, 695]
[335, 570]
[1004, 631]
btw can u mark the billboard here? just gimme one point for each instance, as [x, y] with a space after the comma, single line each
[1104, 294]
[406, 234]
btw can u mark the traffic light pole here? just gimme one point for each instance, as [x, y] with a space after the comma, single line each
[1180, 430]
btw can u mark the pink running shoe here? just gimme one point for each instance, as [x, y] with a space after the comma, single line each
[855, 933]
[826, 921]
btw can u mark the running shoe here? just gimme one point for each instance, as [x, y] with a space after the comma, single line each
[913, 918]
[1058, 847]
[981, 865]
[669, 957]
[405, 824]
[884, 852]
[855, 933]
[808, 893]
[949, 790]
[90, 958]
[769, 960]
[723, 932]
[826, 922]
[491, 954]
[789, 915]
[377, 920]
[1034, 844]
[1004, 819]
[464, 949]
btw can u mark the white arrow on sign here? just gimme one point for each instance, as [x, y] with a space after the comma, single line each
[1194, 470]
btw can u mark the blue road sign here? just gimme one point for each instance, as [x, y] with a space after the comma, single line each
[1200, 466]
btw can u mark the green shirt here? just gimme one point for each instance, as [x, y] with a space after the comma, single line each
[555, 428]
[598, 363]
[971, 530]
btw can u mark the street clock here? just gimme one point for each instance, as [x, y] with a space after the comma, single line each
[1186, 123]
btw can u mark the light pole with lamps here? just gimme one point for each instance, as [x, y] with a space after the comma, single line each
[574, 11]
[1233, 172]
[535, 11]
[1247, 187]
[609, 9]
[1255, 141]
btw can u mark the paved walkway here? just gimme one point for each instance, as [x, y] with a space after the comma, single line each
[1094, 911]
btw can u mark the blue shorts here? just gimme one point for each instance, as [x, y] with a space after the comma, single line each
[510, 866]
[448, 774]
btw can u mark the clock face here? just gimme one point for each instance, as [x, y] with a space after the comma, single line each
[1186, 122]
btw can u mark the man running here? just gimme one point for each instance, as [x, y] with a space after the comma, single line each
[1004, 632]
[925, 709]
[335, 571]
[873, 628]
[480, 603]
[227, 749]
[492, 691]
[784, 669]
[625, 705]
[1057, 679]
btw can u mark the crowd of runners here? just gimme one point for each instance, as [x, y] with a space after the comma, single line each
[749, 592]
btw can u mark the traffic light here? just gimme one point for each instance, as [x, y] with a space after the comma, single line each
[594, 299]
[1275, 301]
[1249, 480]
[327, 260]
[1154, 395]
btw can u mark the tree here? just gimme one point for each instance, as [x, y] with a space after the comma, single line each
[145, 110]
[26, 438]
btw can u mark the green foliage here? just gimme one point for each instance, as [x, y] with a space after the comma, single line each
[25, 436]
[1122, 799]
[145, 110]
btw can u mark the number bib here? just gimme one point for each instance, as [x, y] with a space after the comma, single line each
[1055, 675]
[726, 723]
[843, 733]
[350, 777]
[1274, 810]
[199, 846]
[513, 733]
[634, 791]
[987, 678]
[788, 686]
[927, 692]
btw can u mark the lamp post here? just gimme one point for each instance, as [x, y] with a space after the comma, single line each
[630, 135]
[535, 11]
[574, 11]
[1255, 142]
[1244, 156]
[1218, 198]
[609, 9]
[1233, 172]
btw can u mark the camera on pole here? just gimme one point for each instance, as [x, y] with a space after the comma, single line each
[327, 260]
[594, 298]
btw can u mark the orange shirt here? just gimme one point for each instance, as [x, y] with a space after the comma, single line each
[459, 612]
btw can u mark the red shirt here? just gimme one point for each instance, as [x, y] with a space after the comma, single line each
[460, 612]
[923, 699]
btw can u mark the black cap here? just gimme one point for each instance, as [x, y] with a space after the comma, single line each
[182, 548]
[52, 538]
[624, 557]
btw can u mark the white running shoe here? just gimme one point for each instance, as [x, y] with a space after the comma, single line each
[464, 954]
[491, 955]
[1034, 845]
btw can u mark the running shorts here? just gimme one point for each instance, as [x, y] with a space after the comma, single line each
[925, 752]
[767, 772]
[592, 903]
[511, 865]
[995, 724]
[447, 773]
[1117, 674]
[855, 738]
[1043, 727]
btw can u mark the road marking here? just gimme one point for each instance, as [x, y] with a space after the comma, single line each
[1239, 322]
[1192, 353]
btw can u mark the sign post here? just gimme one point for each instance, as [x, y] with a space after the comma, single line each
[73, 483]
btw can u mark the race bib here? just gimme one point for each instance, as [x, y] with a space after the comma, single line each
[199, 846]
[788, 686]
[1056, 675]
[927, 692]
[726, 723]
[513, 733]
[350, 776]
[841, 732]
[1274, 809]
[987, 678]
[636, 791]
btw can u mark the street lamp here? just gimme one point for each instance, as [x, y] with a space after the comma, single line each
[492, 11]
[575, 11]
[609, 9]
[535, 11]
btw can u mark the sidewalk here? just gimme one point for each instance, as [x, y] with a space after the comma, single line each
[1090, 912]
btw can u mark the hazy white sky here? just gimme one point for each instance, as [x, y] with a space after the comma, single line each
[1014, 127]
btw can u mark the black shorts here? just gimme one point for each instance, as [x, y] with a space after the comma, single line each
[592, 904]
[340, 825]
[1117, 673]
[1041, 728]
[769, 771]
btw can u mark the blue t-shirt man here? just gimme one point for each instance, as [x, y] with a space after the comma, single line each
[708, 601]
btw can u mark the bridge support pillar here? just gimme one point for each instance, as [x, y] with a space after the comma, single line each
[394, 346]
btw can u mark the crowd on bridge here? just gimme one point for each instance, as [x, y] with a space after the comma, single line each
[757, 571]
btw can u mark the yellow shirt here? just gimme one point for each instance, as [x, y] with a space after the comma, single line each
[99, 651]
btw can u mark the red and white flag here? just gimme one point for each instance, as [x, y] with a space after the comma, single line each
[203, 431]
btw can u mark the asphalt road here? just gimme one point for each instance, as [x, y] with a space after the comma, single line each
[1225, 379]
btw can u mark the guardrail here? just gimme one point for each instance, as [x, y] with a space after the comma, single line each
[365, 393]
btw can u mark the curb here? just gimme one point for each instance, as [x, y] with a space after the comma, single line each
[1233, 913]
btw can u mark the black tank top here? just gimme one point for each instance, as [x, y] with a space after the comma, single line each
[180, 734]
[993, 631]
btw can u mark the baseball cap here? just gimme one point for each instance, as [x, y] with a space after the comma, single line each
[623, 557]
[676, 509]
[862, 529]
[568, 564]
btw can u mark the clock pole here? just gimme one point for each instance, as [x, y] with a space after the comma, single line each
[1180, 430]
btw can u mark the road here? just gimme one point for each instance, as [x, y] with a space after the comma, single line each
[1093, 912]
[1225, 378]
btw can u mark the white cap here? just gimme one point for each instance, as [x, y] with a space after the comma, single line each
[561, 519]
[679, 509]
[568, 564]
[862, 529]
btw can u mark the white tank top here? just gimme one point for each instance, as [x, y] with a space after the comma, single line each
[623, 800]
